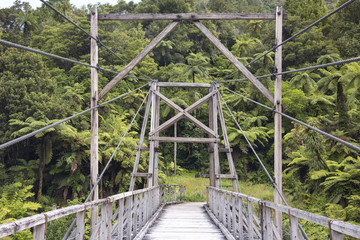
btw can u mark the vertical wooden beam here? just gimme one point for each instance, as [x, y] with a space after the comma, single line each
[141, 142]
[39, 232]
[150, 179]
[94, 157]
[278, 120]
[175, 147]
[211, 145]
[227, 145]
[120, 226]
[80, 225]
[157, 121]
[216, 145]
[294, 223]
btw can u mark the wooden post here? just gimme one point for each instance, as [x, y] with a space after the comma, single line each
[150, 179]
[277, 121]
[141, 142]
[80, 225]
[94, 157]
[175, 147]
[39, 232]
[157, 122]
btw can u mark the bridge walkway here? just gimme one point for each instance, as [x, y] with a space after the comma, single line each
[184, 221]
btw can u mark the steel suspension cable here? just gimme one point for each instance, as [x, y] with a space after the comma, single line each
[26, 136]
[299, 70]
[107, 165]
[352, 146]
[97, 39]
[295, 35]
[18, 46]
[261, 163]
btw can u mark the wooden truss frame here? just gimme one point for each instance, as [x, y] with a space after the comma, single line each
[215, 114]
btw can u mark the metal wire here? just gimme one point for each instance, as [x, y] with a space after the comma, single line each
[97, 39]
[261, 163]
[295, 35]
[356, 148]
[107, 165]
[22, 138]
[300, 69]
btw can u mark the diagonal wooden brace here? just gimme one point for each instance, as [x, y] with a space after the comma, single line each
[138, 59]
[235, 61]
[184, 114]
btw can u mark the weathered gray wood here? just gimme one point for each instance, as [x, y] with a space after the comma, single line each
[267, 223]
[105, 225]
[336, 236]
[94, 145]
[80, 225]
[141, 174]
[156, 145]
[39, 232]
[188, 16]
[211, 145]
[227, 145]
[235, 61]
[150, 179]
[140, 145]
[175, 147]
[182, 114]
[184, 139]
[226, 176]
[224, 150]
[183, 221]
[294, 223]
[251, 233]
[215, 128]
[138, 59]
[184, 84]
[186, 115]
[278, 120]
[120, 219]
[240, 226]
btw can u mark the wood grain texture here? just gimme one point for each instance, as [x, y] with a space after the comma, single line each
[184, 221]
[188, 16]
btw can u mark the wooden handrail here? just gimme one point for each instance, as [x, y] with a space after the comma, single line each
[134, 209]
[228, 207]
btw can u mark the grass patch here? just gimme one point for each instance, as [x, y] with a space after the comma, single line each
[196, 187]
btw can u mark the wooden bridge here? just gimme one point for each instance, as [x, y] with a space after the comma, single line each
[158, 211]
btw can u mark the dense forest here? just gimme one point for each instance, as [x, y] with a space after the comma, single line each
[52, 168]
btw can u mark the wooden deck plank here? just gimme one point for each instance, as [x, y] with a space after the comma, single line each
[184, 221]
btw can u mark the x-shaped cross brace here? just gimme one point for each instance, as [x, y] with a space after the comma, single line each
[184, 113]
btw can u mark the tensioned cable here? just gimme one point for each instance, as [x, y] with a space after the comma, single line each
[261, 163]
[107, 165]
[299, 70]
[295, 35]
[22, 138]
[15, 45]
[97, 39]
[356, 148]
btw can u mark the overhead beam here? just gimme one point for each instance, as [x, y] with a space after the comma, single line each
[184, 84]
[188, 16]
[185, 139]
[235, 61]
[138, 59]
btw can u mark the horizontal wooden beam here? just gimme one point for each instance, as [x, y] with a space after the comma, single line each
[146, 148]
[141, 174]
[184, 84]
[226, 176]
[185, 139]
[225, 150]
[188, 16]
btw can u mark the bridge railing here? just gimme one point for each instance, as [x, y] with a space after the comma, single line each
[247, 217]
[121, 216]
